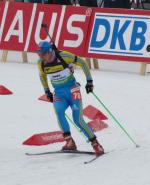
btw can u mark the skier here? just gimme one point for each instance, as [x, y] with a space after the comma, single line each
[58, 67]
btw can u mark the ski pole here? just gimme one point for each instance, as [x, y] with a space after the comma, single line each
[116, 121]
[76, 126]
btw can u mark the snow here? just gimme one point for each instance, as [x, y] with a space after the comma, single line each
[124, 92]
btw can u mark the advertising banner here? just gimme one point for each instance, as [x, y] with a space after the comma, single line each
[16, 26]
[116, 34]
[74, 29]
[123, 35]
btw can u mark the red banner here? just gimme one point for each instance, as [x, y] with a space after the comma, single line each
[74, 30]
[90, 32]
[46, 14]
[16, 28]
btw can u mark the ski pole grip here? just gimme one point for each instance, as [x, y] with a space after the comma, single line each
[43, 25]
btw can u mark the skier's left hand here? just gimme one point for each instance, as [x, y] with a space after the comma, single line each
[89, 86]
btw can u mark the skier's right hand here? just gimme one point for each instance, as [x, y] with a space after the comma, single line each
[49, 95]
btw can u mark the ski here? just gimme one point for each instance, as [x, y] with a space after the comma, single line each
[93, 159]
[62, 152]
[96, 157]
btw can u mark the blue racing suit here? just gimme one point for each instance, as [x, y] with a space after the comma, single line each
[66, 89]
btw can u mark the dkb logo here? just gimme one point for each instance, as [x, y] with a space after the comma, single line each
[118, 34]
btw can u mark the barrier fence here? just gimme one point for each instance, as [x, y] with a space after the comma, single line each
[99, 33]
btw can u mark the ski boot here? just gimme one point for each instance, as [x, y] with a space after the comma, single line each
[70, 144]
[97, 147]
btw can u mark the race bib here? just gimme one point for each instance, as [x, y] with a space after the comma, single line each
[76, 95]
[59, 76]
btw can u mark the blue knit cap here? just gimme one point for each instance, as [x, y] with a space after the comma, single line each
[44, 47]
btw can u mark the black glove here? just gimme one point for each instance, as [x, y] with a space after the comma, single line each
[89, 86]
[49, 95]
